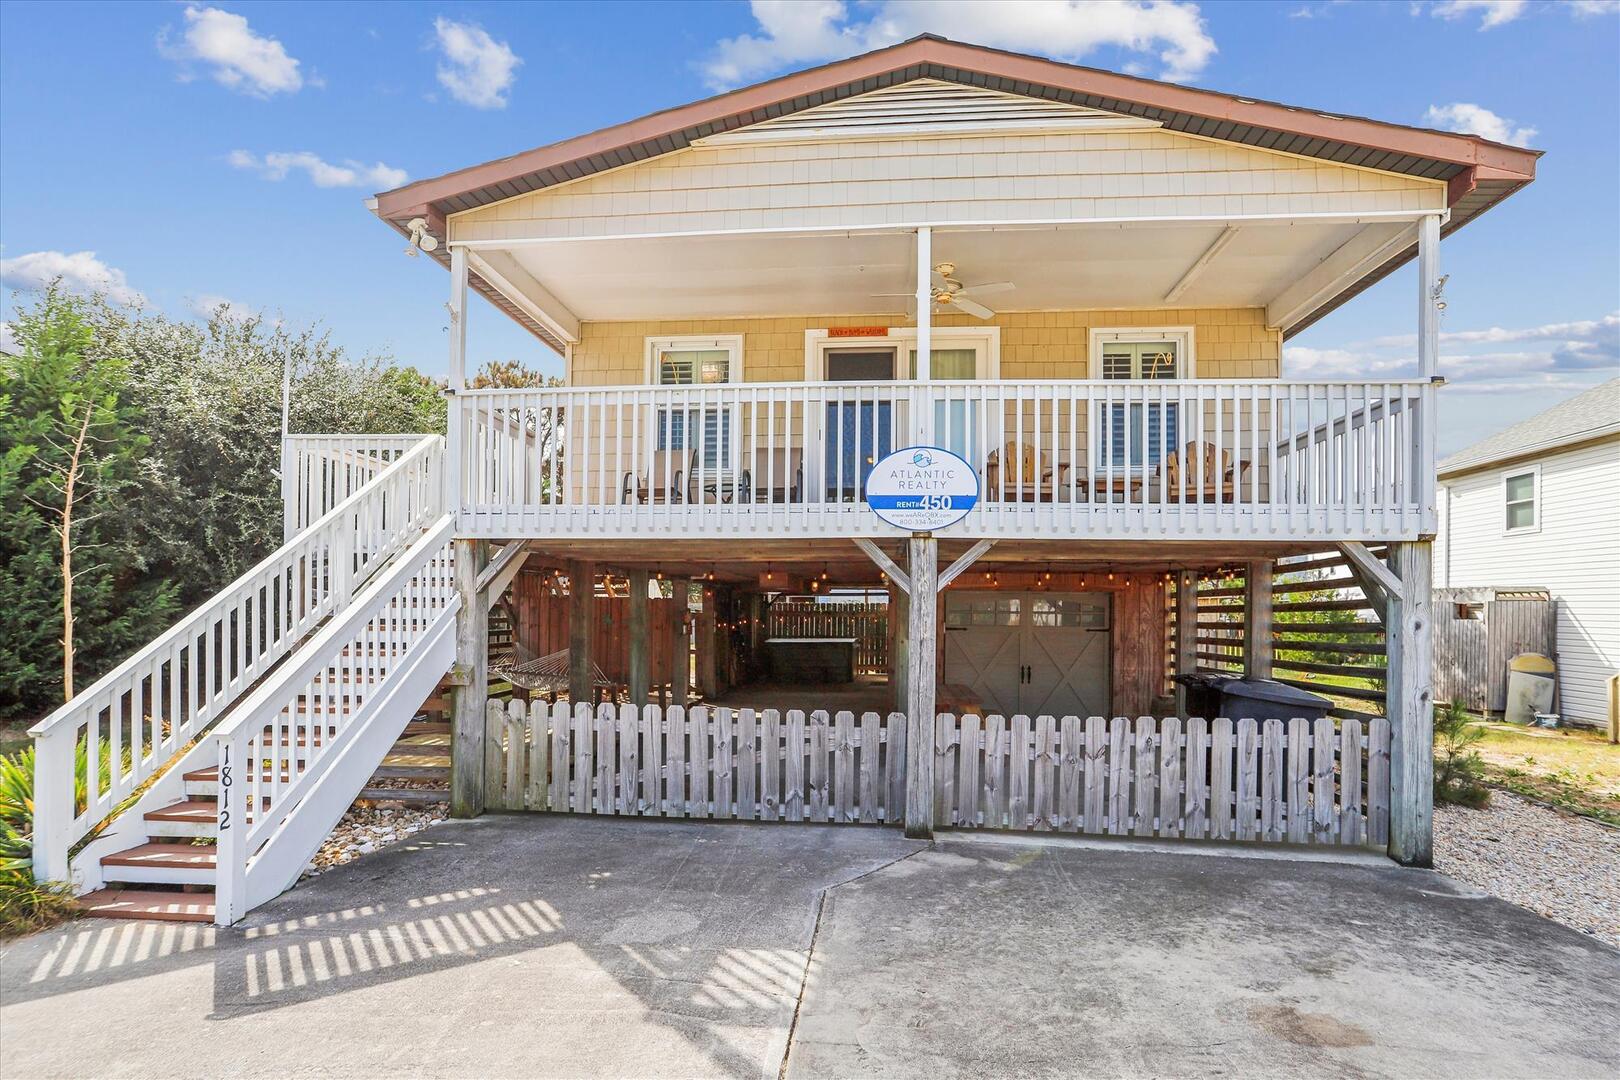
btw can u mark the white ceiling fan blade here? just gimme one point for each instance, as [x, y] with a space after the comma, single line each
[988, 287]
[972, 307]
[892, 294]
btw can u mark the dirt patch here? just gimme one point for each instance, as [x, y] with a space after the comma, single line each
[1307, 1029]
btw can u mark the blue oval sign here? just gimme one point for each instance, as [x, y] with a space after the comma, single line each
[922, 489]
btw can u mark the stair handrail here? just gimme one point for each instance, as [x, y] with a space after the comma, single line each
[275, 748]
[173, 688]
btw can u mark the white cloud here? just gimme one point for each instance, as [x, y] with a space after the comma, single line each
[1492, 13]
[477, 69]
[276, 166]
[80, 272]
[1585, 8]
[1561, 354]
[238, 58]
[793, 32]
[1476, 120]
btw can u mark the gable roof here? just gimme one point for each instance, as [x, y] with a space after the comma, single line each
[1478, 173]
[1594, 414]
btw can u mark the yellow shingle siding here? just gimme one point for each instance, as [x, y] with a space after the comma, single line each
[1231, 343]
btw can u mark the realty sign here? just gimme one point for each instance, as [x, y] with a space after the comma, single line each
[922, 488]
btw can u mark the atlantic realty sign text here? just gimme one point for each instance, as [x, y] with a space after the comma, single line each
[922, 488]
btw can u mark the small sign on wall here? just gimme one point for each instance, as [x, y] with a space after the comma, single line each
[922, 489]
[858, 331]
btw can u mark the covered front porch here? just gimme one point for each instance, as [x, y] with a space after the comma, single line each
[1099, 378]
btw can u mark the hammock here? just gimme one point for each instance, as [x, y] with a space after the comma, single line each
[543, 674]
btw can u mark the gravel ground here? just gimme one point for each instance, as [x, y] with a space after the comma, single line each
[366, 829]
[1556, 864]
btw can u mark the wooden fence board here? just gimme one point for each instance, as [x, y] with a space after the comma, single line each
[697, 762]
[995, 772]
[747, 765]
[1019, 750]
[820, 725]
[1378, 781]
[944, 768]
[1221, 794]
[1248, 779]
[675, 758]
[770, 802]
[1350, 831]
[1170, 758]
[1071, 766]
[652, 761]
[1271, 781]
[793, 793]
[870, 773]
[1045, 773]
[1144, 810]
[894, 768]
[1325, 823]
[1299, 757]
[968, 752]
[844, 766]
[721, 719]
[1197, 815]
[1119, 778]
[1096, 775]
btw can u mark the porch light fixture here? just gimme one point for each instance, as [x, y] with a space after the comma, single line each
[420, 237]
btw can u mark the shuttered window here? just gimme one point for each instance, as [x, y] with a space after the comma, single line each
[707, 430]
[1150, 360]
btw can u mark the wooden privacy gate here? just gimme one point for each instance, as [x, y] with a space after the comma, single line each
[1297, 781]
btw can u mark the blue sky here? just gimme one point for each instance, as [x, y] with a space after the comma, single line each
[222, 151]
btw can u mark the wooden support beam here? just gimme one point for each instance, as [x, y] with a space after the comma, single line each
[961, 565]
[502, 569]
[923, 556]
[470, 693]
[1408, 685]
[708, 682]
[1369, 246]
[680, 643]
[581, 623]
[899, 631]
[640, 641]
[1186, 632]
[884, 563]
[1257, 607]
[1371, 568]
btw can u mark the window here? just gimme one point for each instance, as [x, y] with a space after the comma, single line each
[1469, 612]
[1149, 355]
[964, 610]
[1520, 491]
[695, 361]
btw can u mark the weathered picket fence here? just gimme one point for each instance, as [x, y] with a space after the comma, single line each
[697, 763]
[1298, 781]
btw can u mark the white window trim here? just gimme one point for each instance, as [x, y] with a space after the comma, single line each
[1183, 336]
[1533, 471]
[986, 339]
[733, 343]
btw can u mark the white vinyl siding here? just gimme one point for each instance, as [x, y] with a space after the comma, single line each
[943, 179]
[1573, 553]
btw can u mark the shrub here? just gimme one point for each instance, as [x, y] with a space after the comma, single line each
[25, 905]
[1458, 769]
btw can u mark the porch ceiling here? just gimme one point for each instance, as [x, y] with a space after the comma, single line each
[1250, 264]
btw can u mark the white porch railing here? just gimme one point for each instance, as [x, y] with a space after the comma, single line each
[135, 719]
[293, 755]
[320, 471]
[1171, 459]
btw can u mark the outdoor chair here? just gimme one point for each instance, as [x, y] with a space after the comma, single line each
[1199, 475]
[1024, 482]
[671, 472]
[777, 476]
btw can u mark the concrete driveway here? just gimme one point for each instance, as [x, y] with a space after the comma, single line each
[552, 946]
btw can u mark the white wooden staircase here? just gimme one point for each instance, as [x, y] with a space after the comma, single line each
[215, 762]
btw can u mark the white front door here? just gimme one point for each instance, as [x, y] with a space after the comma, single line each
[1033, 653]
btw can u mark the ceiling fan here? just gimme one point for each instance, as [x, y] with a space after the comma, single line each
[949, 293]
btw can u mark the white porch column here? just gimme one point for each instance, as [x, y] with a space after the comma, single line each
[458, 378]
[1409, 699]
[923, 551]
[922, 414]
[1428, 289]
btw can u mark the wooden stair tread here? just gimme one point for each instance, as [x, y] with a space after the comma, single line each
[193, 810]
[149, 904]
[182, 856]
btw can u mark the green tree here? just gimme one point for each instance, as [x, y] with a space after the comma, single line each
[72, 581]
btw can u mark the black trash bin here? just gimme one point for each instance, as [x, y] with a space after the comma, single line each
[1204, 692]
[1266, 699]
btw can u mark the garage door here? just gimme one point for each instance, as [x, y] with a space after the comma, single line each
[1032, 653]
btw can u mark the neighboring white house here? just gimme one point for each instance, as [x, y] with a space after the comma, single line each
[1539, 504]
